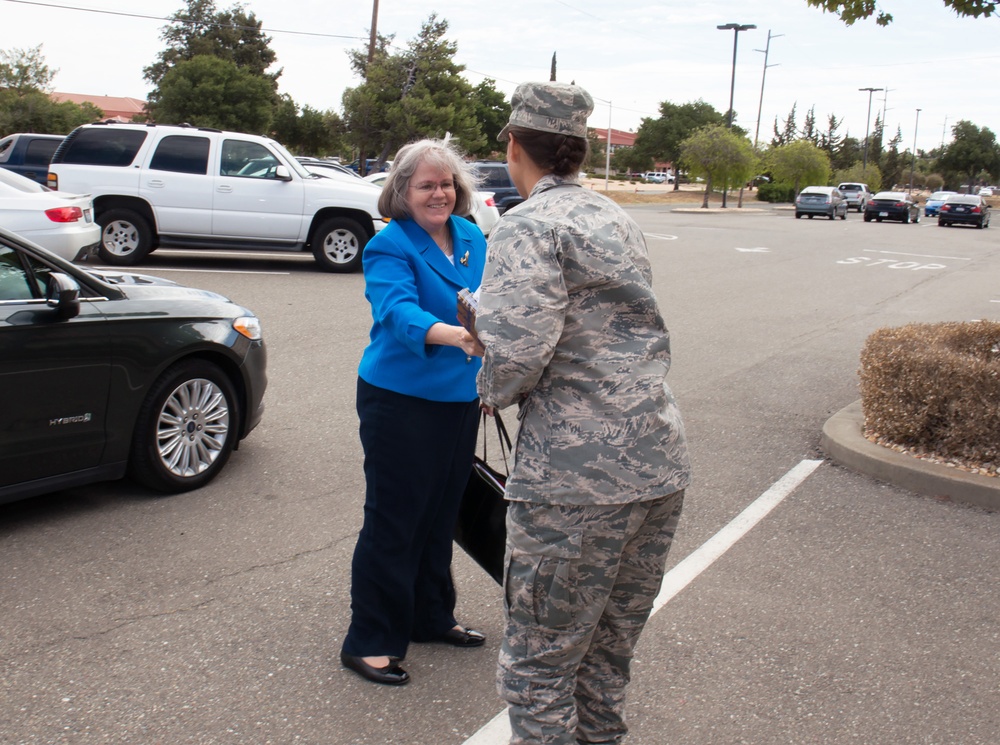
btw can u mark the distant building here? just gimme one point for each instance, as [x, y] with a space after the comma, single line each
[618, 137]
[122, 109]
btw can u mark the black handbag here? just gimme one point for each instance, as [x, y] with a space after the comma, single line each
[481, 530]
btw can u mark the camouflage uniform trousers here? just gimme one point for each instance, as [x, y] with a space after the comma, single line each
[581, 581]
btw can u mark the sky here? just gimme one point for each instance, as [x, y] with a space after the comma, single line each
[631, 55]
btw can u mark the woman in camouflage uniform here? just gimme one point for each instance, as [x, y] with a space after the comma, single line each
[574, 336]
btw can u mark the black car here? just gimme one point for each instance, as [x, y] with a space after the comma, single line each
[892, 205]
[495, 177]
[964, 209]
[105, 374]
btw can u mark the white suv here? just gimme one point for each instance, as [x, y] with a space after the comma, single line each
[189, 187]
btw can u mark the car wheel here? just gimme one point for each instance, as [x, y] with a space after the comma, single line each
[126, 237]
[844, 216]
[810, 217]
[833, 214]
[798, 215]
[186, 428]
[337, 245]
[905, 218]
[916, 217]
[868, 218]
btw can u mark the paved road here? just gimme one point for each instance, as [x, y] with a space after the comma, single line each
[852, 612]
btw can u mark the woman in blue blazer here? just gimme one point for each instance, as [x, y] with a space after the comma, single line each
[419, 412]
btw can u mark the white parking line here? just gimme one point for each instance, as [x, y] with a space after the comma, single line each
[925, 256]
[158, 269]
[497, 730]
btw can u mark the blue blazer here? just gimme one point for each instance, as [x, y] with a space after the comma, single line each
[411, 285]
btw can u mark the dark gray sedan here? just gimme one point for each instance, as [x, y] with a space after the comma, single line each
[825, 201]
[964, 209]
[892, 205]
[105, 373]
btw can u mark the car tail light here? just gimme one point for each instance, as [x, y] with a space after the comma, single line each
[944, 208]
[64, 214]
[975, 209]
[489, 201]
[900, 204]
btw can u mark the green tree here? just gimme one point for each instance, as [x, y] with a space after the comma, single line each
[971, 152]
[203, 30]
[799, 163]
[870, 175]
[25, 105]
[895, 165]
[854, 10]
[627, 159]
[210, 92]
[24, 70]
[492, 112]
[789, 130]
[659, 140]
[418, 93]
[719, 154]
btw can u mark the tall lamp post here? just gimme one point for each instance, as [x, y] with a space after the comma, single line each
[736, 28]
[864, 162]
[913, 155]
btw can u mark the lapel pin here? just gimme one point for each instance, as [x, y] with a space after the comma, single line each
[465, 259]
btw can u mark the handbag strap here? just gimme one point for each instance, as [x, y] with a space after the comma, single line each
[505, 443]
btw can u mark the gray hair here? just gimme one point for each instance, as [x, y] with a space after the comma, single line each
[438, 153]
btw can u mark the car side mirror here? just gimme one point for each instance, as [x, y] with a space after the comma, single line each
[63, 295]
[281, 173]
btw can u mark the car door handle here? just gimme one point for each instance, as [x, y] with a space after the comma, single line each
[155, 183]
[225, 188]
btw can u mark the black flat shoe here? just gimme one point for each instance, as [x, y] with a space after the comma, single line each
[390, 675]
[463, 638]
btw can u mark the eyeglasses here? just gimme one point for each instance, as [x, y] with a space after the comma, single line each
[429, 187]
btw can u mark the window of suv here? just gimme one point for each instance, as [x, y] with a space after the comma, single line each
[494, 176]
[181, 154]
[100, 146]
[247, 159]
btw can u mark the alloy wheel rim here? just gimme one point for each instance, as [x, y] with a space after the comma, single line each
[192, 428]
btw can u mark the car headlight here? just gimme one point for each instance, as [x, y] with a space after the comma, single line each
[248, 326]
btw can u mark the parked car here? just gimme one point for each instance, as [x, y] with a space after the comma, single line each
[327, 168]
[28, 154]
[856, 194]
[659, 177]
[965, 209]
[934, 202]
[192, 187]
[892, 205]
[484, 208]
[106, 374]
[62, 223]
[826, 201]
[986, 191]
[495, 177]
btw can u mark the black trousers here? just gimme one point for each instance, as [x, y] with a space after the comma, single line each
[418, 456]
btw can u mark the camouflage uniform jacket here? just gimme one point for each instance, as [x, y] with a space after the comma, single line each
[573, 335]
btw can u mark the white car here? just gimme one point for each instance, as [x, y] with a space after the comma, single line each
[484, 209]
[62, 223]
[986, 191]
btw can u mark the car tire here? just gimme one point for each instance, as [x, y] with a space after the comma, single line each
[337, 245]
[942, 224]
[905, 218]
[878, 219]
[126, 237]
[833, 214]
[844, 216]
[810, 217]
[798, 215]
[186, 429]
[916, 218]
[868, 218]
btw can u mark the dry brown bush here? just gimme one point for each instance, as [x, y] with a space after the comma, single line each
[935, 388]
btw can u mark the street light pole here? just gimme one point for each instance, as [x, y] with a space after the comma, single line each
[864, 163]
[913, 155]
[736, 28]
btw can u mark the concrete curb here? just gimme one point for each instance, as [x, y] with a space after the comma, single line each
[844, 442]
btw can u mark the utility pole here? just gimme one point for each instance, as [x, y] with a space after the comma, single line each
[868, 120]
[766, 50]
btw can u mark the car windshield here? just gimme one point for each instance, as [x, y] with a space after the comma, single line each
[940, 195]
[850, 187]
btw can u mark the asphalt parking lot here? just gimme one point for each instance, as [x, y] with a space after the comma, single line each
[850, 611]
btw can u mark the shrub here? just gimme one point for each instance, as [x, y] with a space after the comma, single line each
[935, 387]
[776, 193]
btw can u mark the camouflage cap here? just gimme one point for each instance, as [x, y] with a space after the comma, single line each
[561, 108]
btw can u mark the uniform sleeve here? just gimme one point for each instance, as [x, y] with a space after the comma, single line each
[390, 284]
[522, 309]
